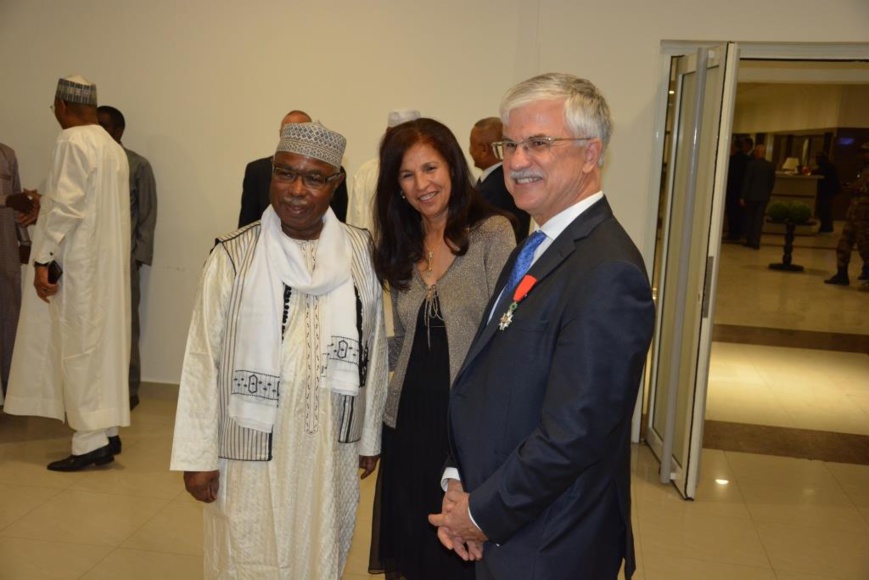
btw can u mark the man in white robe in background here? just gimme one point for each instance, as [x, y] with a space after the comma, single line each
[360, 207]
[284, 377]
[72, 349]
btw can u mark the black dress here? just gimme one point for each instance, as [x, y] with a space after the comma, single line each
[404, 544]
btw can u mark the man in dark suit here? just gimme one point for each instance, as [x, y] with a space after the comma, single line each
[540, 413]
[491, 183]
[735, 173]
[258, 177]
[757, 187]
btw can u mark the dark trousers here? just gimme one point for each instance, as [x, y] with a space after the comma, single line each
[135, 363]
[754, 216]
[733, 211]
[855, 231]
[825, 212]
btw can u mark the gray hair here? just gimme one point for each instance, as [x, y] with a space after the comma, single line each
[585, 110]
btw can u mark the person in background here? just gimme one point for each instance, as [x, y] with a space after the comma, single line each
[258, 177]
[143, 221]
[856, 228]
[440, 249]
[828, 189]
[72, 349]
[360, 212]
[14, 251]
[491, 183]
[757, 187]
[735, 175]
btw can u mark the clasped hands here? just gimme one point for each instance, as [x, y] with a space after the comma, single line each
[26, 205]
[456, 531]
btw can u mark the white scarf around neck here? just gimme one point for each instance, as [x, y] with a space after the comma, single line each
[279, 261]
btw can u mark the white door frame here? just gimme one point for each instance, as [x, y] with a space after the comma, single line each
[670, 49]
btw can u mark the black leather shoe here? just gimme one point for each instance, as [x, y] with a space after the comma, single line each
[134, 402]
[115, 444]
[838, 280]
[100, 456]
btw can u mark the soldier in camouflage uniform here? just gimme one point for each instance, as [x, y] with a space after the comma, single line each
[856, 228]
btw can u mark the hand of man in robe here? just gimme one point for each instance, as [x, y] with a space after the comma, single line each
[367, 463]
[455, 532]
[44, 288]
[28, 218]
[20, 202]
[202, 485]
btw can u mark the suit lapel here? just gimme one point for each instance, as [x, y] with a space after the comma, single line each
[562, 247]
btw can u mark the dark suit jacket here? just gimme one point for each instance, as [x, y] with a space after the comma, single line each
[495, 192]
[758, 181]
[540, 413]
[255, 192]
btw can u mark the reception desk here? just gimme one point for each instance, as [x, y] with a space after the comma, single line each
[794, 187]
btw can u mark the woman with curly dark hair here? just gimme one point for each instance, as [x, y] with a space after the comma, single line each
[440, 247]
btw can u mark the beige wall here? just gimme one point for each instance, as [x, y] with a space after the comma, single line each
[786, 107]
[204, 84]
[854, 108]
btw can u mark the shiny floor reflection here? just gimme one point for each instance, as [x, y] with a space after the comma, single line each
[776, 517]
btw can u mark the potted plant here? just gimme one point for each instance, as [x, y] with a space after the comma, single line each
[791, 214]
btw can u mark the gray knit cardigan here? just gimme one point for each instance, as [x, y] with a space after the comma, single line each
[463, 291]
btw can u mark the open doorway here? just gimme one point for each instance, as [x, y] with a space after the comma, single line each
[688, 245]
[790, 354]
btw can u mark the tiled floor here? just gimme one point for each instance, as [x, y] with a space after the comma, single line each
[774, 519]
[750, 294]
[790, 387]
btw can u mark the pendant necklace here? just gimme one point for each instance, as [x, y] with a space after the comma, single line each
[429, 262]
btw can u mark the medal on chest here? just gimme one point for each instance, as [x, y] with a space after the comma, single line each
[519, 295]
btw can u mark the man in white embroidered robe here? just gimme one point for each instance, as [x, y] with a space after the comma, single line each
[72, 348]
[283, 384]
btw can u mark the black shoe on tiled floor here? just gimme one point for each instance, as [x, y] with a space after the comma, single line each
[100, 456]
[115, 444]
[838, 279]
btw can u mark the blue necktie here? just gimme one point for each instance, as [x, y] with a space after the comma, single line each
[520, 266]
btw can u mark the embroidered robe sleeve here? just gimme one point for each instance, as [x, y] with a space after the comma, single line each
[376, 382]
[195, 445]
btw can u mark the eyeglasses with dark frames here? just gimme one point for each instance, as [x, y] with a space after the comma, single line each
[533, 146]
[311, 180]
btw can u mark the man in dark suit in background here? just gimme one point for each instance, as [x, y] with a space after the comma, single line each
[143, 222]
[540, 413]
[735, 174]
[756, 190]
[258, 177]
[491, 183]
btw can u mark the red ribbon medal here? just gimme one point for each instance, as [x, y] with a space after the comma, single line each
[521, 292]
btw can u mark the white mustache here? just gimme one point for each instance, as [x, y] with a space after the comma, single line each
[514, 175]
